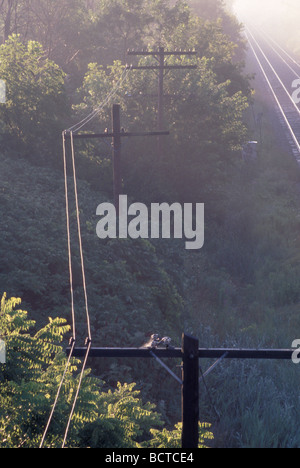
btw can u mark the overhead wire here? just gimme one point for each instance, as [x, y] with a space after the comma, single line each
[57, 396]
[89, 337]
[89, 344]
[80, 238]
[69, 239]
[75, 128]
[73, 339]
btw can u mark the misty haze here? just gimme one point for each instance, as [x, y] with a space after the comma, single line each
[168, 318]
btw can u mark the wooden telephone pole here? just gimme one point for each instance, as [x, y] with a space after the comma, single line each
[116, 135]
[160, 55]
[190, 392]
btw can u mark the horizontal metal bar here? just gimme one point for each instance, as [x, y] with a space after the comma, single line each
[112, 135]
[234, 353]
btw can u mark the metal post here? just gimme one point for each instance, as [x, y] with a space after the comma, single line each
[190, 392]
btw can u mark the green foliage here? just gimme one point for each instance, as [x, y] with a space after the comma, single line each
[60, 26]
[216, 11]
[36, 102]
[23, 403]
[131, 289]
[207, 103]
[172, 439]
[29, 381]
[134, 418]
[206, 111]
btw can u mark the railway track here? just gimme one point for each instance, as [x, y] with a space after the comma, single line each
[280, 71]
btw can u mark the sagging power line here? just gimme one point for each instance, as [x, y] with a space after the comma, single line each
[88, 341]
[80, 125]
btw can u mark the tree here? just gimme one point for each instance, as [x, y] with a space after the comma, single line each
[59, 25]
[29, 381]
[13, 17]
[172, 439]
[36, 101]
[23, 403]
[200, 109]
[118, 26]
[213, 11]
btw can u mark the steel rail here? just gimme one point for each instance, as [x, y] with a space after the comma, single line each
[287, 107]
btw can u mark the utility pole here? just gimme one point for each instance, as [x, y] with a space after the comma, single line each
[162, 68]
[116, 154]
[161, 89]
[116, 135]
[190, 392]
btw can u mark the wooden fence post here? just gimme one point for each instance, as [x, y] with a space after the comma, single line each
[190, 392]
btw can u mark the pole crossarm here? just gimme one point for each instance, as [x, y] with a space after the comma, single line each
[157, 67]
[112, 135]
[157, 52]
[203, 353]
[128, 352]
[234, 353]
[116, 135]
